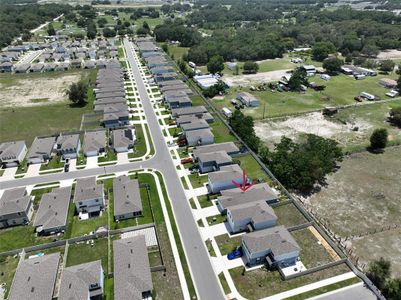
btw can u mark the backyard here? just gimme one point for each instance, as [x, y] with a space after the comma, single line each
[84, 252]
[288, 215]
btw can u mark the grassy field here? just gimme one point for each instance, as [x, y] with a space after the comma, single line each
[288, 215]
[253, 170]
[340, 90]
[152, 22]
[312, 254]
[26, 122]
[362, 197]
[261, 283]
[8, 266]
[221, 132]
[84, 252]
[227, 244]
[177, 52]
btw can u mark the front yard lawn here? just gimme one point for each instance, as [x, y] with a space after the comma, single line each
[198, 180]
[206, 200]
[54, 163]
[217, 219]
[110, 155]
[227, 244]
[210, 248]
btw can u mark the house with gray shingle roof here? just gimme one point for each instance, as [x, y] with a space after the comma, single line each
[84, 281]
[229, 147]
[275, 245]
[258, 192]
[223, 179]
[35, 278]
[37, 68]
[21, 68]
[127, 198]
[41, 150]
[132, 278]
[213, 161]
[250, 216]
[89, 196]
[12, 153]
[192, 118]
[199, 137]
[68, 145]
[94, 142]
[123, 139]
[53, 211]
[16, 207]
[195, 125]
[192, 110]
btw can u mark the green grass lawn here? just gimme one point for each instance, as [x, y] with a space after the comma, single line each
[110, 155]
[140, 144]
[340, 90]
[54, 163]
[154, 258]
[24, 123]
[8, 266]
[325, 289]
[206, 200]
[197, 100]
[251, 166]
[177, 52]
[84, 252]
[197, 180]
[19, 237]
[224, 283]
[210, 248]
[80, 227]
[227, 244]
[219, 219]
[261, 283]
[288, 215]
[108, 288]
[152, 22]
[221, 132]
[312, 253]
[38, 193]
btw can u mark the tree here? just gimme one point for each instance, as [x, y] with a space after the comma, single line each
[378, 139]
[399, 83]
[387, 66]
[244, 127]
[379, 271]
[298, 78]
[215, 64]
[102, 22]
[395, 116]
[333, 65]
[51, 30]
[250, 67]
[77, 92]
[91, 30]
[321, 50]
[108, 32]
[392, 289]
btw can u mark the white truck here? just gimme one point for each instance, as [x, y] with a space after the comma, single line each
[367, 96]
[227, 112]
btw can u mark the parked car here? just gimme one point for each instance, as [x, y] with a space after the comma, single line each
[392, 94]
[234, 254]
[233, 102]
[187, 160]
[358, 98]
[66, 167]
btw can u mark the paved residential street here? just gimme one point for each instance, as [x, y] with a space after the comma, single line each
[354, 292]
[203, 275]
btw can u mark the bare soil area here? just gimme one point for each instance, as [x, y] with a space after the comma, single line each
[389, 54]
[36, 89]
[249, 79]
[312, 123]
[361, 200]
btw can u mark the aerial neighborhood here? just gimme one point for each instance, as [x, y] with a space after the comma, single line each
[200, 150]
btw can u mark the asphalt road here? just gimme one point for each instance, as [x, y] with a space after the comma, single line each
[358, 292]
[202, 272]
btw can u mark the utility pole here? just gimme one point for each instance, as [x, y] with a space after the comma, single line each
[264, 109]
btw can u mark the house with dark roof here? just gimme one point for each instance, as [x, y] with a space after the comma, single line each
[178, 101]
[213, 161]
[257, 192]
[35, 278]
[123, 139]
[16, 207]
[94, 142]
[21, 68]
[199, 137]
[68, 145]
[274, 246]
[127, 198]
[192, 118]
[195, 125]
[132, 277]
[53, 211]
[250, 216]
[36, 68]
[6, 67]
[223, 179]
[84, 281]
[89, 196]
[192, 110]
[114, 117]
[229, 147]
[41, 150]
[12, 153]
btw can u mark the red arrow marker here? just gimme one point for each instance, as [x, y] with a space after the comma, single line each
[244, 187]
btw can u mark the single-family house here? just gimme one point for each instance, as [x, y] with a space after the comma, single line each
[309, 69]
[193, 118]
[250, 216]
[16, 207]
[274, 246]
[223, 179]
[123, 139]
[49, 67]
[35, 278]
[53, 211]
[41, 150]
[6, 67]
[192, 110]
[195, 125]
[127, 198]
[177, 102]
[12, 153]
[165, 76]
[36, 68]
[229, 147]
[89, 196]
[89, 64]
[94, 142]
[113, 117]
[248, 99]
[68, 145]
[199, 137]
[76, 63]
[132, 278]
[22, 68]
[83, 281]
[257, 192]
[213, 161]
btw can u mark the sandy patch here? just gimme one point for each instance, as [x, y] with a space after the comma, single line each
[250, 79]
[389, 54]
[36, 91]
[312, 123]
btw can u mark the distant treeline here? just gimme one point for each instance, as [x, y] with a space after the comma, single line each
[18, 19]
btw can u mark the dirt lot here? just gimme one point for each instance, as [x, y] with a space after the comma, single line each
[389, 54]
[35, 89]
[254, 78]
[363, 197]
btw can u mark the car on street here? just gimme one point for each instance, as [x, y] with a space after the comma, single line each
[237, 253]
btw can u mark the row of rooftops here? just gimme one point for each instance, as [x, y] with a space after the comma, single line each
[36, 278]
